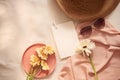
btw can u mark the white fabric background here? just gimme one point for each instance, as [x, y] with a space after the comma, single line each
[24, 22]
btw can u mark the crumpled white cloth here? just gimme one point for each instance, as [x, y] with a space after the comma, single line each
[22, 23]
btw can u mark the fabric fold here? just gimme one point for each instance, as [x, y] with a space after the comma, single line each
[67, 72]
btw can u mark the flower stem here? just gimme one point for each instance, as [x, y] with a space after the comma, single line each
[93, 67]
[30, 77]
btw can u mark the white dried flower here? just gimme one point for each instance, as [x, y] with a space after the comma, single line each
[85, 47]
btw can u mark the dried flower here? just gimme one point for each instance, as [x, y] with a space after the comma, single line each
[85, 47]
[34, 60]
[41, 54]
[44, 51]
[44, 65]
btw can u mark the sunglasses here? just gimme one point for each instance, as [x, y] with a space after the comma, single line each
[98, 24]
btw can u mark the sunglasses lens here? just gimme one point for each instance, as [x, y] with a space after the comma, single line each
[86, 30]
[99, 23]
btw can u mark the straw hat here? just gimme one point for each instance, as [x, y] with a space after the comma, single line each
[86, 10]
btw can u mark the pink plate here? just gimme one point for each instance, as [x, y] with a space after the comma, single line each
[26, 61]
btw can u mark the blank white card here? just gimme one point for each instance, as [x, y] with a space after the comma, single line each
[66, 38]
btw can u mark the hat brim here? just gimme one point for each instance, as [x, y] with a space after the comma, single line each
[107, 7]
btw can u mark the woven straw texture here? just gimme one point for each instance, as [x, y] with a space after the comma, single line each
[86, 10]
